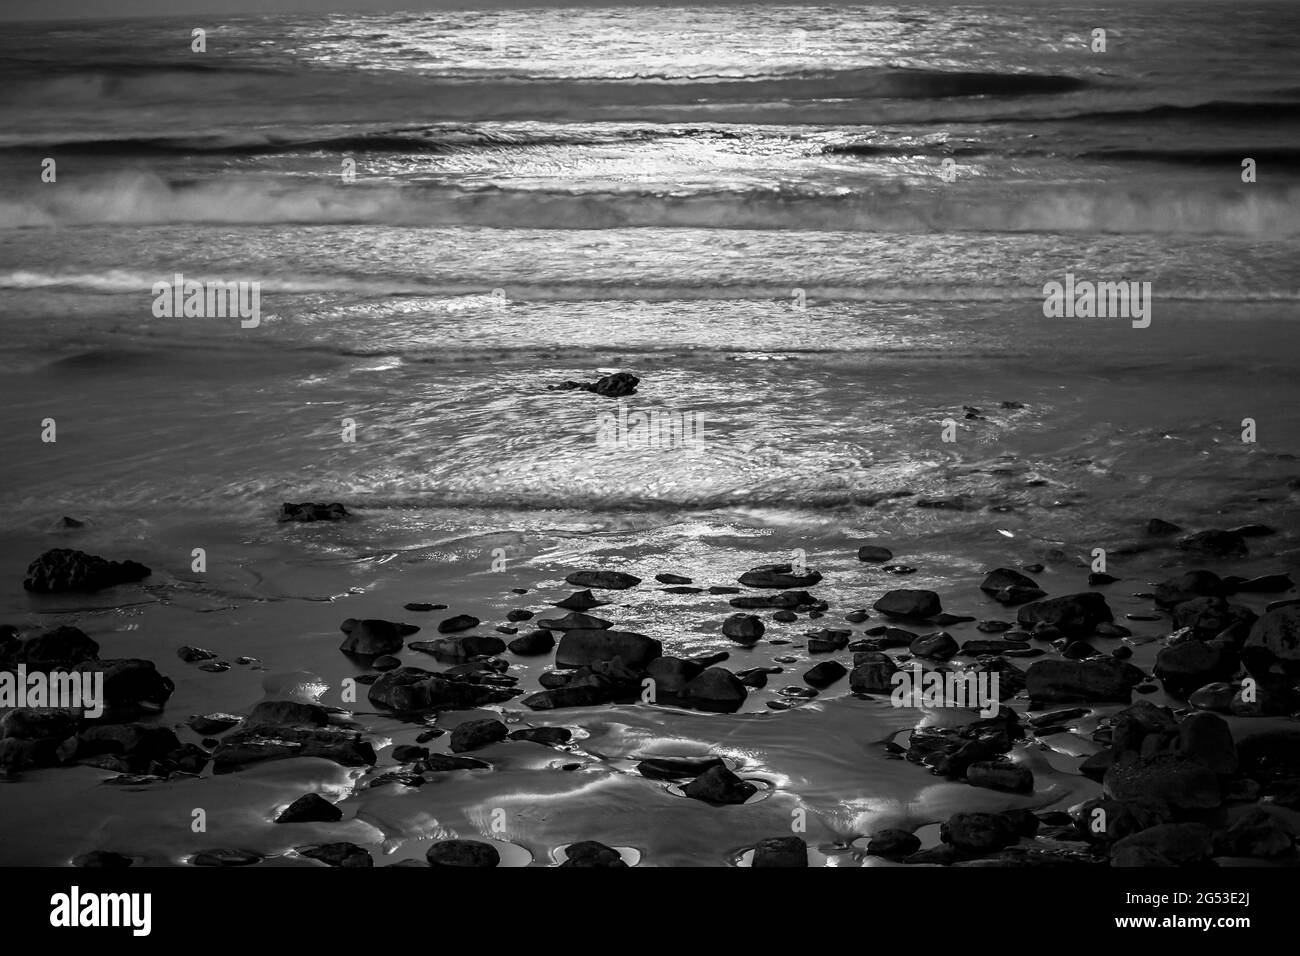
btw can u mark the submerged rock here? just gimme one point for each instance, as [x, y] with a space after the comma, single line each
[1222, 544]
[676, 768]
[312, 511]
[574, 621]
[618, 385]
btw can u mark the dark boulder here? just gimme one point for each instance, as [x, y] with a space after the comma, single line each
[63, 569]
[310, 808]
[372, 637]
[779, 576]
[582, 648]
[1075, 615]
[906, 603]
[463, 853]
[604, 580]
[312, 511]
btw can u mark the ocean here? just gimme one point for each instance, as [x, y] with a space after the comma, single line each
[822, 231]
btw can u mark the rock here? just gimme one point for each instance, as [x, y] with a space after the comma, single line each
[581, 693]
[215, 667]
[604, 580]
[574, 621]
[979, 832]
[446, 763]
[407, 753]
[589, 853]
[719, 785]
[618, 385]
[581, 648]
[1221, 544]
[1099, 578]
[1017, 595]
[1112, 630]
[310, 808]
[672, 674]
[1257, 833]
[372, 637]
[59, 648]
[779, 576]
[312, 511]
[473, 734]
[1206, 737]
[63, 569]
[826, 640]
[463, 853]
[951, 750]
[824, 674]
[1104, 679]
[1075, 615]
[31, 723]
[997, 775]
[743, 628]
[1210, 616]
[287, 713]
[192, 655]
[225, 857]
[423, 606]
[337, 854]
[1182, 783]
[1278, 633]
[532, 644]
[245, 748]
[909, 604]
[1079, 651]
[938, 646]
[1192, 584]
[872, 673]
[1000, 578]
[209, 725]
[102, 859]
[893, 844]
[676, 768]
[993, 627]
[131, 686]
[716, 689]
[789, 851]
[1161, 529]
[871, 552]
[786, 600]
[1167, 844]
[579, 601]
[1186, 666]
[386, 662]
[1266, 584]
[785, 617]
[412, 689]
[458, 623]
[546, 736]
[461, 648]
